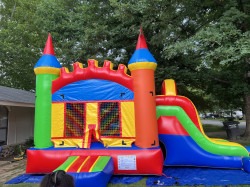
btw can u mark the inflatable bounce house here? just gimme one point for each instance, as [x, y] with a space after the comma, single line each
[95, 122]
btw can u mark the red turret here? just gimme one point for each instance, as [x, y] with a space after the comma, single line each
[49, 49]
[141, 43]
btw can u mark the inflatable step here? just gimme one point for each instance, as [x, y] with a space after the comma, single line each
[89, 171]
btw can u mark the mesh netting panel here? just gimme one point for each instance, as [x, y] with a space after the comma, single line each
[109, 118]
[74, 119]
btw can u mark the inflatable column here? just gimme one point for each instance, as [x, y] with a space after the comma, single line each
[142, 66]
[46, 69]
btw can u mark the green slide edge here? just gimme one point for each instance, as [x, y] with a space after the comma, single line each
[197, 136]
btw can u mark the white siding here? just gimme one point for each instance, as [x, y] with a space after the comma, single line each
[21, 124]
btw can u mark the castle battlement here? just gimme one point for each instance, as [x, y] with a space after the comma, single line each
[93, 71]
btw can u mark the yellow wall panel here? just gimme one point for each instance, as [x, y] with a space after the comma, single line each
[72, 142]
[91, 119]
[119, 142]
[57, 123]
[91, 113]
[128, 119]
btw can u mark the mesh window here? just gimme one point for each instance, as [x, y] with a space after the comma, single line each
[109, 119]
[74, 120]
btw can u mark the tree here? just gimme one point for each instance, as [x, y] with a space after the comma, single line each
[93, 29]
[19, 44]
[223, 47]
[203, 45]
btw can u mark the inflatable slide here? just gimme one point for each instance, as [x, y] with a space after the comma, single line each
[183, 138]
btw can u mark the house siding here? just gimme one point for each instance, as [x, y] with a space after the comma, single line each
[20, 124]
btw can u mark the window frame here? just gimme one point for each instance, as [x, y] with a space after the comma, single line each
[4, 142]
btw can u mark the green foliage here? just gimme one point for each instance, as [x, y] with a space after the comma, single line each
[221, 50]
[203, 45]
[19, 46]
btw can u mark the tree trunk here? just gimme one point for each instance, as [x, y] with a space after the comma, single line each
[247, 116]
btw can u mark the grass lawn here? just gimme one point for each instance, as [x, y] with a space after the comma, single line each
[214, 131]
[213, 128]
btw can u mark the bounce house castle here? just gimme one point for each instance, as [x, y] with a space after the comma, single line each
[94, 122]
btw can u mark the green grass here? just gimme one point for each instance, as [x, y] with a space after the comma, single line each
[214, 131]
[213, 128]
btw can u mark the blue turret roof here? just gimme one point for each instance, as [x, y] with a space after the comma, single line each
[48, 61]
[142, 54]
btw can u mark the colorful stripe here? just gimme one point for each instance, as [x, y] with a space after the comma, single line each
[75, 166]
[83, 163]
[47, 70]
[88, 165]
[70, 160]
[78, 164]
[142, 65]
[100, 163]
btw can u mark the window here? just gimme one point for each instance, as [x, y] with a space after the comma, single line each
[109, 119]
[3, 125]
[74, 120]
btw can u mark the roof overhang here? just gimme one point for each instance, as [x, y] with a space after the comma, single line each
[9, 103]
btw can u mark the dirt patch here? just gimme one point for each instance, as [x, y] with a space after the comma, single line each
[11, 169]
